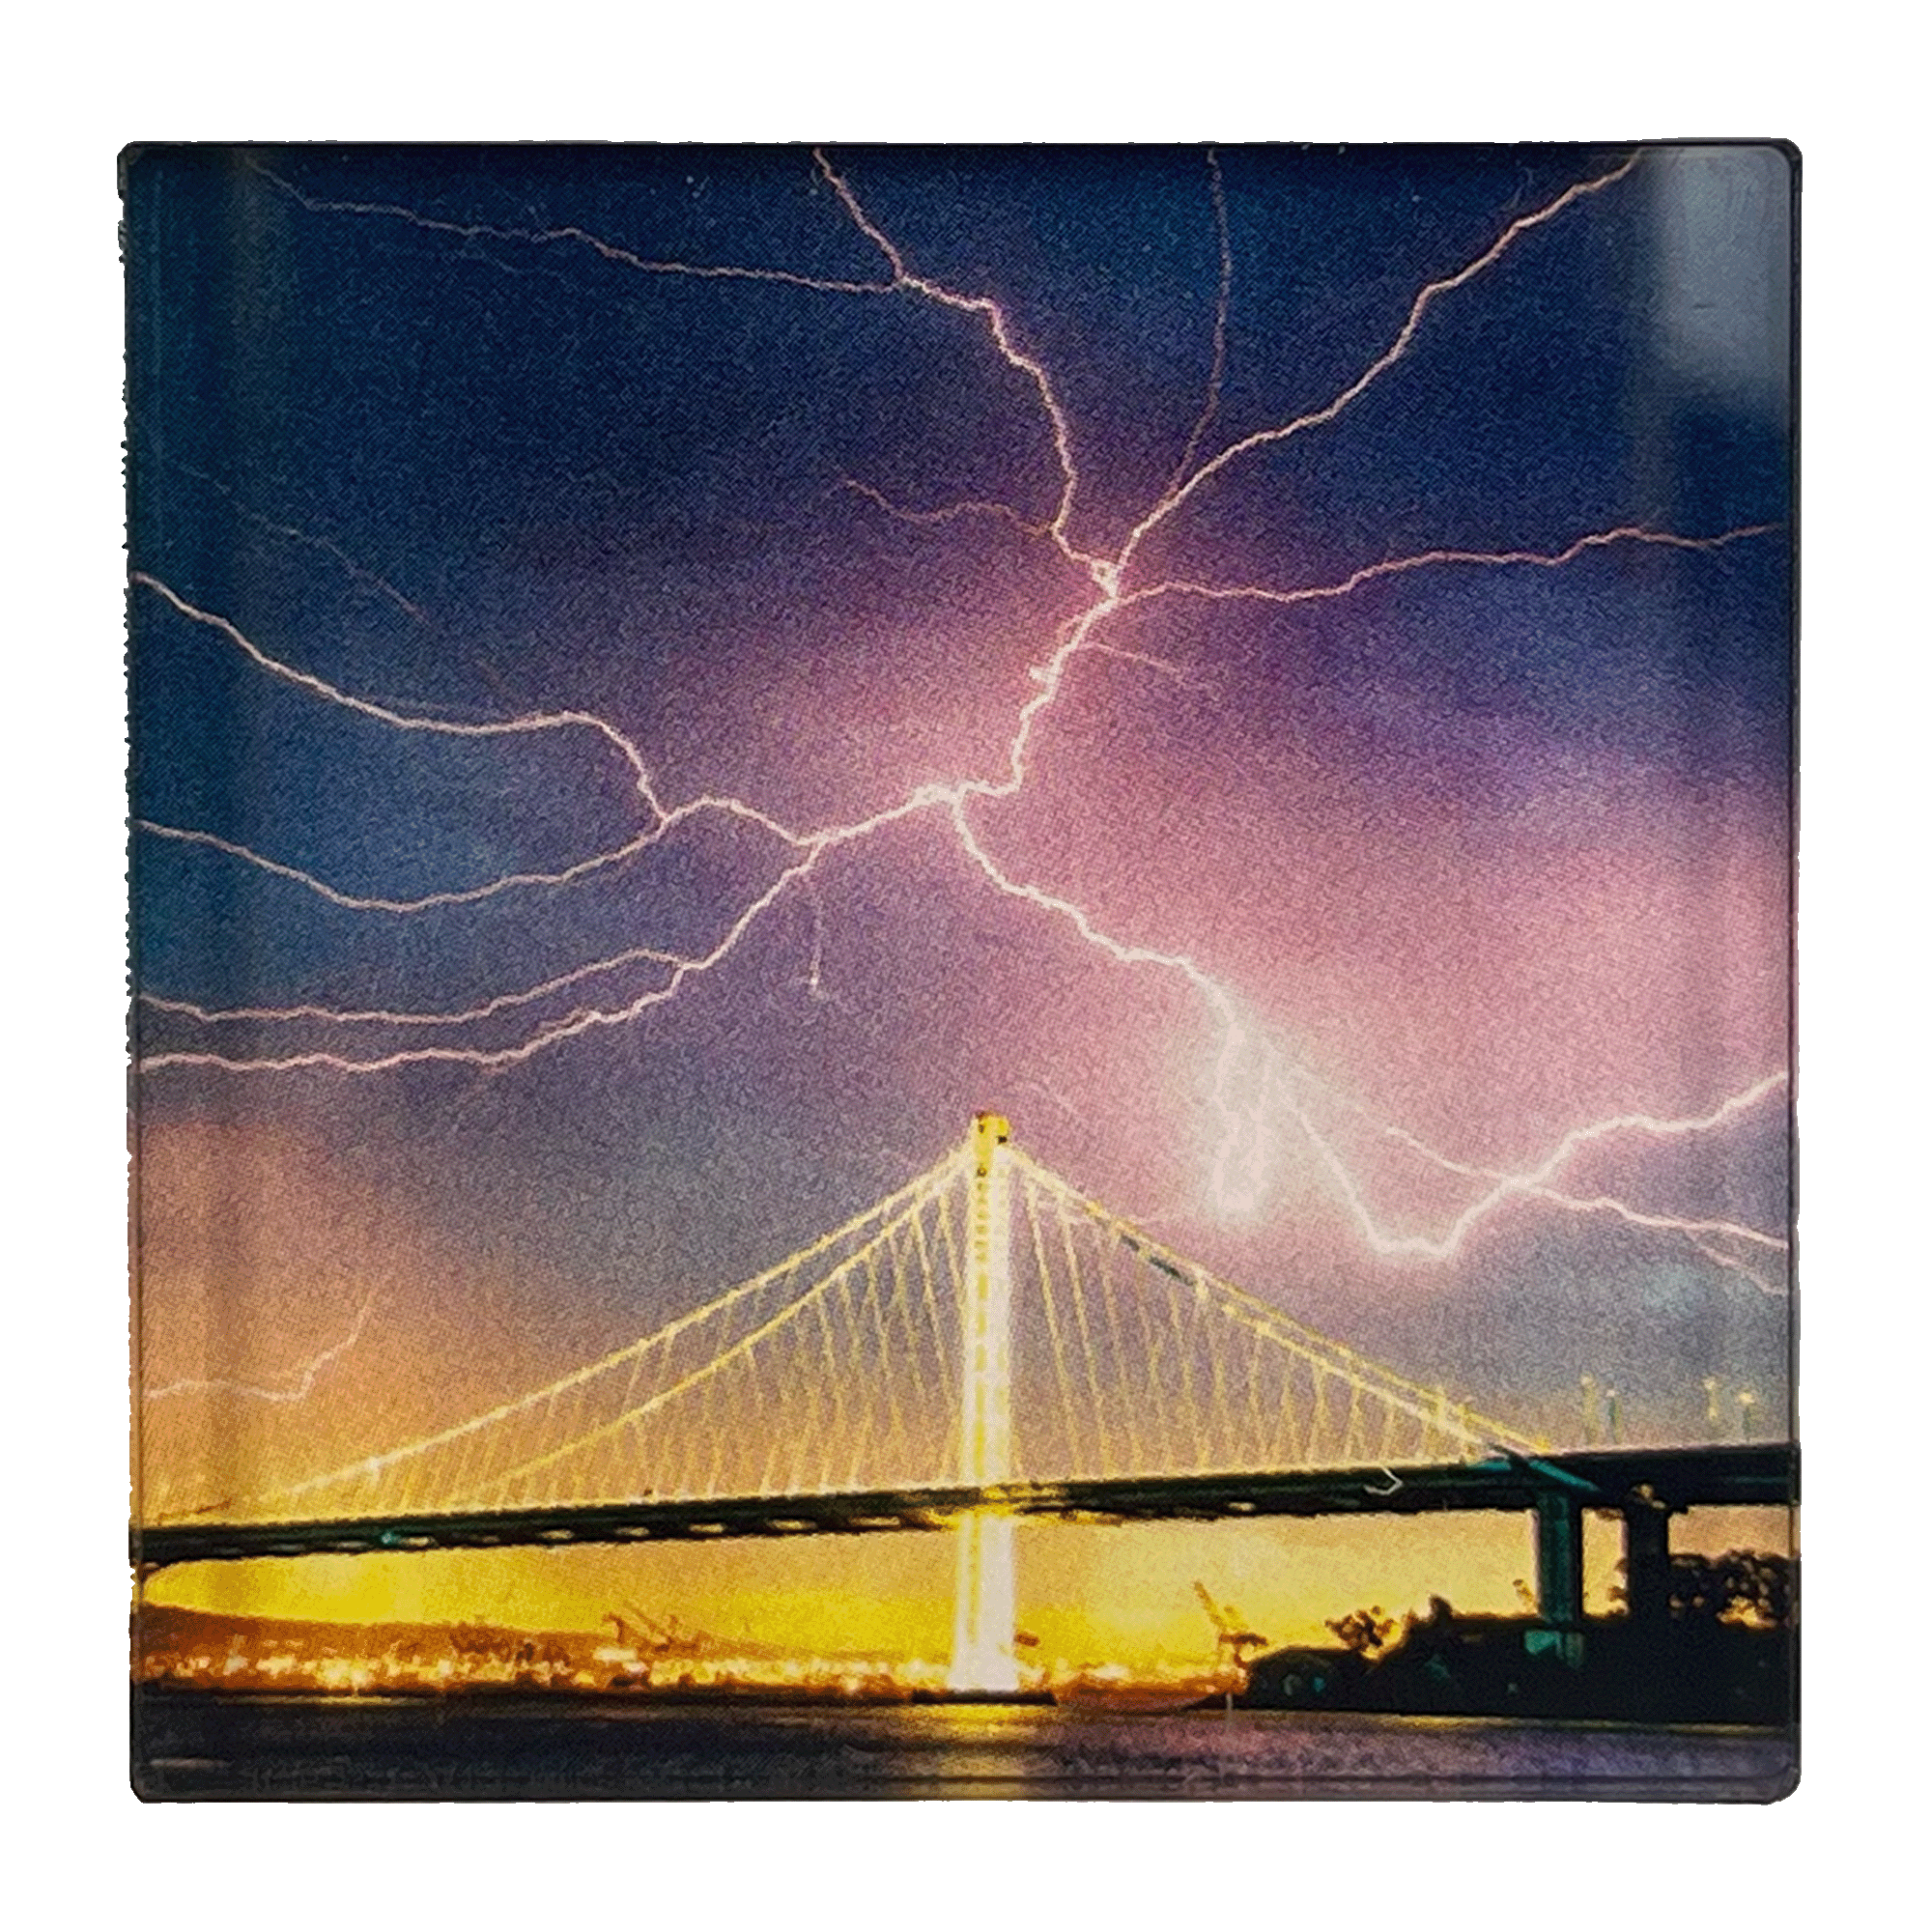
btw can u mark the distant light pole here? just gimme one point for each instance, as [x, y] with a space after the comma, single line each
[1615, 1416]
[1747, 1402]
[1713, 1415]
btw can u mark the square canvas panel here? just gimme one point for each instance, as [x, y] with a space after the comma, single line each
[961, 971]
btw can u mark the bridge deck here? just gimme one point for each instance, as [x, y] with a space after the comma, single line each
[1737, 1474]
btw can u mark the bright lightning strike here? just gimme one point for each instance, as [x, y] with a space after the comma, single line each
[552, 1034]
[578, 238]
[1380, 367]
[405, 721]
[300, 1386]
[1534, 1182]
[1240, 1158]
[1436, 559]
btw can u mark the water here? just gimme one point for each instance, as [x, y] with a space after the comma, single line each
[203, 1747]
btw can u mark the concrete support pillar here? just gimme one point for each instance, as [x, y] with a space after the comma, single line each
[1559, 1579]
[1647, 1560]
[1559, 1561]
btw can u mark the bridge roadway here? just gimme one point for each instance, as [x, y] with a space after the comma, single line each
[1643, 1484]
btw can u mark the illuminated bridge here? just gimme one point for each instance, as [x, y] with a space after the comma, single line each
[984, 1346]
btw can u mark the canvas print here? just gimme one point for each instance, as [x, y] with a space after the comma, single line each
[961, 971]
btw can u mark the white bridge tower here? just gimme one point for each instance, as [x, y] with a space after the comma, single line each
[982, 1611]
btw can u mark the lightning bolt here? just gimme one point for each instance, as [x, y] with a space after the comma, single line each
[1219, 366]
[298, 1389]
[296, 534]
[581, 1021]
[1534, 1182]
[1240, 1155]
[390, 1016]
[404, 721]
[1431, 293]
[946, 513]
[1434, 559]
[664, 819]
[508, 882]
[576, 238]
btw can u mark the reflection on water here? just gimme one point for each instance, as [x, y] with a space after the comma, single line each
[537, 1748]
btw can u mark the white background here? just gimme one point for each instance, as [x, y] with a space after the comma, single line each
[1837, 82]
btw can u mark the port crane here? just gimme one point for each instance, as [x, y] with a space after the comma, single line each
[635, 1630]
[667, 1638]
[1231, 1639]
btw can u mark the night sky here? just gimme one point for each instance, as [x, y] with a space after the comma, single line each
[1461, 859]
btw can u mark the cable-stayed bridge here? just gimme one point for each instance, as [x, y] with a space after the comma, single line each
[984, 1345]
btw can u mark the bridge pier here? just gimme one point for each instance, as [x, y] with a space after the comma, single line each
[1559, 1573]
[1647, 1558]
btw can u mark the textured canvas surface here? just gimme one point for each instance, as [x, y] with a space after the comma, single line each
[962, 972]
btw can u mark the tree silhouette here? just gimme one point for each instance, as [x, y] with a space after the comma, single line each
[1748, 1587]
[1363, 1632]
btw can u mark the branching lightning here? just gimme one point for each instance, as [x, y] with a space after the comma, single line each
[1534, 1182]
[579, 1021]
[404, 721]
[1433, 559]
[946, 513]
[295, 534]
[1242, 1128]
[507, 882]
[1380, 367]
[1217, 368]
[300, 1386]
[578, 237]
